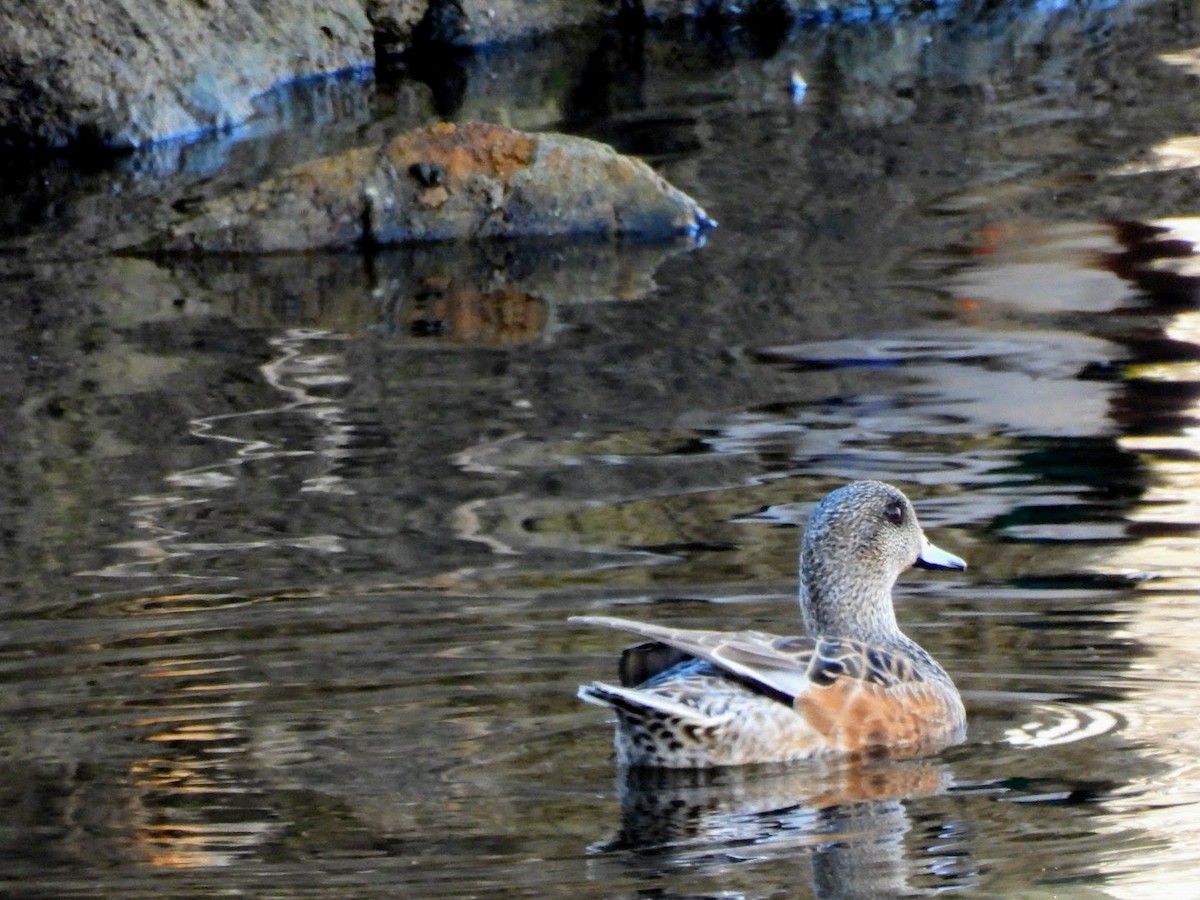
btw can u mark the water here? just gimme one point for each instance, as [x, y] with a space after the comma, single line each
[291, 542]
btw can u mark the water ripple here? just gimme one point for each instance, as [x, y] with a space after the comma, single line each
[1055, 724]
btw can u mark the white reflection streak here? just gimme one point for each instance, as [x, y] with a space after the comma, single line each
[1181, 152]
[1163, 685]
[297, 375]
[293, 373]
[1172, 155]
[1188, 60]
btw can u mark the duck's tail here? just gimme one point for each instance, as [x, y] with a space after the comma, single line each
[639, 703]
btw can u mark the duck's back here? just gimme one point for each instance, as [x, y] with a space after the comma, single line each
[757, 698]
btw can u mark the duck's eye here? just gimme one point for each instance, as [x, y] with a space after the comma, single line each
[894, 512]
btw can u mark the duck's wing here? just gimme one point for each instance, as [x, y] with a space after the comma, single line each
[642, 662]
[786, 667]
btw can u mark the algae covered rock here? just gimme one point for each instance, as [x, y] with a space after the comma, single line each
[445, 182]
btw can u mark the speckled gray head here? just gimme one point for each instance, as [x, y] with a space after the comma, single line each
[859, 539]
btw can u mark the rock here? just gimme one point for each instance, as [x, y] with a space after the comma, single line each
[395, 22]
[123, 73]
[663, 10]
[446, 182]
[476, 22]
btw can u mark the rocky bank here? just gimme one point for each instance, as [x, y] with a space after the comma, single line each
[126, 73]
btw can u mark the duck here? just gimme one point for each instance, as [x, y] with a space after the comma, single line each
[854, 683]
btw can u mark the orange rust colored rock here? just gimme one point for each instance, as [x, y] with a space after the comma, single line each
[444, 182]
[475, 148]
[433, 197]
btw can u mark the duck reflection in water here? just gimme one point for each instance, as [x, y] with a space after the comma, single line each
[845, 815]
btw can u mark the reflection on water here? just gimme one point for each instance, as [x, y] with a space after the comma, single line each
[303, 372]
[846, 818]
[291, 542]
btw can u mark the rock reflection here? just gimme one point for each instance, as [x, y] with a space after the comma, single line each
[471, 317]
[483, 294]
[846, 817]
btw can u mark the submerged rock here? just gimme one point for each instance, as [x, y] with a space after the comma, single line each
[446, 182]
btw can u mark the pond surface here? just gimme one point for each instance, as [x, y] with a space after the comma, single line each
[291, 542]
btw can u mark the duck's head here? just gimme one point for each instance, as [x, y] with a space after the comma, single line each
[859, 539]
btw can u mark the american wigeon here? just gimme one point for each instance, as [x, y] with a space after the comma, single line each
[691, 698]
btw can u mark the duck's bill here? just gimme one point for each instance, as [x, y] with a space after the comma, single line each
[933, 557]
